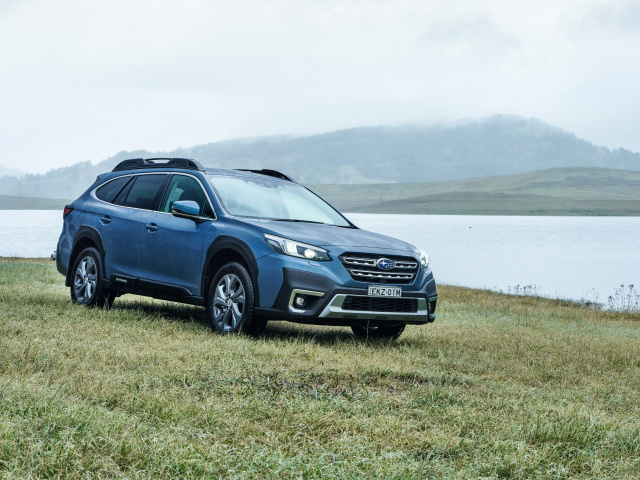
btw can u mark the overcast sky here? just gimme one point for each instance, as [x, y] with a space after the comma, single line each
[83, 80]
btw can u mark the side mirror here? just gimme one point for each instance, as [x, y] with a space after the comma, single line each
[187, 209]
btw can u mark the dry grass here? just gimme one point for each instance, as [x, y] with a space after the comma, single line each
[499, 387]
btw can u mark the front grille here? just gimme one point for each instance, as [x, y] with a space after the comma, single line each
[363, 268]
[376, 304]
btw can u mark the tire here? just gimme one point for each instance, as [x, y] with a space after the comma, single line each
[390, 332]
[86, 281]
[231, 301]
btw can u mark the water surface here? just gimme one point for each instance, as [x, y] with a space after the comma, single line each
[561, 257]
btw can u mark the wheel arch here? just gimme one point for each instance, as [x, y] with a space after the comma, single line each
[227, 249]
[84, 238]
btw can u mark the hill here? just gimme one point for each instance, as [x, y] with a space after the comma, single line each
[8, 202]
[499, 145]
[558, 191]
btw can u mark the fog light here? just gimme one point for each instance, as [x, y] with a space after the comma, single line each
[300, 301]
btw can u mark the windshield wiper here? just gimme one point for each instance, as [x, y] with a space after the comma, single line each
[296, 220]
[311, 221]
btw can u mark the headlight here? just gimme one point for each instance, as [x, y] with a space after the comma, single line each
[424, 259]
[296, 249]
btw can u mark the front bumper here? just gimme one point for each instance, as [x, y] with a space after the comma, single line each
[325, 301]
[334, 310]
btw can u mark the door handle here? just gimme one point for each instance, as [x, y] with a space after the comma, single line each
[106, 219]
[152, 227]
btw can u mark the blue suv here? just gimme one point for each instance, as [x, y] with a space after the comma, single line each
[249, 245]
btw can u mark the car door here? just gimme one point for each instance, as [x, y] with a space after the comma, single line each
[121, 225]
[172, 247]
[113, 223]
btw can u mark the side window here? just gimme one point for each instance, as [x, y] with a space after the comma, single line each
[144, 192]
[182, 187]
[109, 190]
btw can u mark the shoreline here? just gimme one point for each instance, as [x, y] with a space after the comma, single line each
[27, 259]
[585, 303]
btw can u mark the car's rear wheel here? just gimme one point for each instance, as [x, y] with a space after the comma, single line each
[379, 331]
[86, 281]
[231, 302]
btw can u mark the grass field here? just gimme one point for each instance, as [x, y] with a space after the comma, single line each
[498, 387]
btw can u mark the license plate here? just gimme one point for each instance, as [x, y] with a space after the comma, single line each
[375, 291]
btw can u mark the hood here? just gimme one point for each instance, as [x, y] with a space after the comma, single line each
[327, 235]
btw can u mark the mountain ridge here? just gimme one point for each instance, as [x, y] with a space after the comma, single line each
[10, 172]
[498, 145]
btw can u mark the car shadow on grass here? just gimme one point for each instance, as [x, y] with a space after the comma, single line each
[283, 330]
[319, 334]
[168, 311]
[278, 330]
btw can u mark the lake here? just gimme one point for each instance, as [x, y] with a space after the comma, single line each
[579, 258]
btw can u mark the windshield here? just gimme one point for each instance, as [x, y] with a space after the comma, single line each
[273, 199]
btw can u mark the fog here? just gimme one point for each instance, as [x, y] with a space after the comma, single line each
[84, 80]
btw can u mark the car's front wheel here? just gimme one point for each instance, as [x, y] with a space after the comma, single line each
[86, 281]
[231, 301]
[379, 332]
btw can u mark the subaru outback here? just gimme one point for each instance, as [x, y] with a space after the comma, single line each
[249, 245]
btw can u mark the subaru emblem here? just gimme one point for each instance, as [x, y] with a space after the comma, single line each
[385, 264]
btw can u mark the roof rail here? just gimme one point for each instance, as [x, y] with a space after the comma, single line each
[268, 172]
[135, 163]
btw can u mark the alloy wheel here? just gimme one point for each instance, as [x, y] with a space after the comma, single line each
[85, 280]
[228, 303]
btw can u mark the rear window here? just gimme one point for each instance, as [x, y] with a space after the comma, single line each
[144, 192]
[109, 190]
